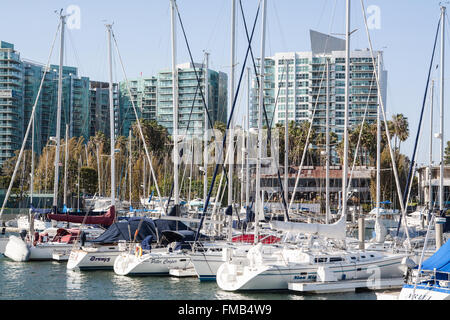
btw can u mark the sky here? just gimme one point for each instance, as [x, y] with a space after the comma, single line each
[404, 30]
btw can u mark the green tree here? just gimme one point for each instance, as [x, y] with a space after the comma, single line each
[447, 154]
[88, 180]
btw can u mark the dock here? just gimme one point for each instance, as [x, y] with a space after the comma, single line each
[346, 285]
[183, 273]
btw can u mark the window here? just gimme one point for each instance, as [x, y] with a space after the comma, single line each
[335, 259]
[320, 260]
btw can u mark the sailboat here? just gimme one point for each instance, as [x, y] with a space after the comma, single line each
[318, 260]
[157, 263]
[35, 246]
[431, 279]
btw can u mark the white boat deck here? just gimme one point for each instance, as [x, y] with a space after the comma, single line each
[346, 285]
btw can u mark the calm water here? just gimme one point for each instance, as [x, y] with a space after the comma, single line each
[50, 280]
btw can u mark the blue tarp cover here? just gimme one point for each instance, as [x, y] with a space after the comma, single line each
[120, 231]
[440, 260]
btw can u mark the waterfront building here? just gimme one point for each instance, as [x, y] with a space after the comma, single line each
[423, 174]
[307, 85]
[143, 94]
[187, 84]
[99, 107]
[11, 100]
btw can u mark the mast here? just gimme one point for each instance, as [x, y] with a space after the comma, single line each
[66, 155]
[378, 181]
[58, 115]
[346, 124]
[258, 203]
[231, 133]
[129, 165]
[242, 161]
[286, 140]
[439, 227]
[430, 164]
[31, 218]
[79, 171]
[205, 133]
[32, 165]
[175, 107]
[327, 148]
[111, 120]
[247, 171]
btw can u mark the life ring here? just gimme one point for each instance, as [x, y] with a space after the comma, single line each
[138, 251]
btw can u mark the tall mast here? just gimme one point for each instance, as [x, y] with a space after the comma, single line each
[129, 165]
[327, 143]
[58, 114]
[230, 148]
[378, 181]
[346, 122]
[231, 133]
[286, 139]
[66, 156]
[31, 218]
[175, 107]
[259, 208]
[205, 133]
[247, 171]
[242, 162]
[439, 227]
[111, 120]
[32, 166]
[430, 164]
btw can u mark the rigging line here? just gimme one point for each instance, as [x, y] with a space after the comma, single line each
[412, 165]
[359, 139]
[394, 166]
[198, 82]
[283, 39]
[193, 65]
[137, 119]
[228, 126]
[33, 111]
[181, 151]
[308, 135]
[269, 132]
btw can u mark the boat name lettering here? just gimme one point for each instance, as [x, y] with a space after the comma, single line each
[100, 259]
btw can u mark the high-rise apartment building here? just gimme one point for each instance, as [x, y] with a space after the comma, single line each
[99, 108]
[11, 100]
[307, 85]
[188, 99]
[152, 98]
[143, 93]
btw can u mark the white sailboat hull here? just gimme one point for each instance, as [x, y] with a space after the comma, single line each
[278, 276]
[424, 292]
[95, 258]
[154, 263]
[18, 250]
[206, 265]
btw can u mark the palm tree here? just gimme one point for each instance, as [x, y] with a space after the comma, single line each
[399, 127]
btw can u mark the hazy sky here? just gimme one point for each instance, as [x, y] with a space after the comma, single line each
[406, 34]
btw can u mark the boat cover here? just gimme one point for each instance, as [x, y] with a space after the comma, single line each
[440, 260]
[125, 230]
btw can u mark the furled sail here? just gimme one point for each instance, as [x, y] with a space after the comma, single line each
[335, 230]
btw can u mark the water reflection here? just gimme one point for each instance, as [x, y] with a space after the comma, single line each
[51, 280]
